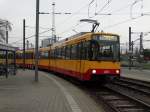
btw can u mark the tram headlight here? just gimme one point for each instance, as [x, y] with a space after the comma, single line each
[117, 71]
[93, 71]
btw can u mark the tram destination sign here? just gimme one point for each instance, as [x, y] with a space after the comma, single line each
[105, 37]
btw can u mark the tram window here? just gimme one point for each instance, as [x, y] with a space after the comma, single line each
[44, 55]
[31, 55]
[59, 53]
[79, 47]
[55, 53]
[63, 53]
[26, 56]
[84, 47]
[82, 51]
[61, 49]
[68, 52]
[18, 56]
[52, 54]
[74, 52]
[21, 56]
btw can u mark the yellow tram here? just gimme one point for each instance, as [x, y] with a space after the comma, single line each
[85, 56]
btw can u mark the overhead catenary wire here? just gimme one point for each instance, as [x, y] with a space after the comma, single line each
[33, 27]
[62, 22]
[126, 6]
[89, 8]
[31, 36]
[133, 4]
[112, 13]
[122, 22]
[73, 14]
[109, 1]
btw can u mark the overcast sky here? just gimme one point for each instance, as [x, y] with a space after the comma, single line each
[122, 16]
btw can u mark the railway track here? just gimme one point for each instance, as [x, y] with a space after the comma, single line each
[120, 95]
[123, 95]
[137, 89]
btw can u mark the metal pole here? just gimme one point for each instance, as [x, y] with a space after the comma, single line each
[130, 47]
[24, 44]
[6, 50]
[53, 23]
[36, 40]
[14, 63]
[130, 39]
[6, 32]
[141, 42]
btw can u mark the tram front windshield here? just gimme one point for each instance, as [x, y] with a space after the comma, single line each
[104, 47]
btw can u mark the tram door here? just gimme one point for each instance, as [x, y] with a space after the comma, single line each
[80, 61]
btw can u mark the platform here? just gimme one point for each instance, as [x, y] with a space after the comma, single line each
[21, 93]
[136, 73]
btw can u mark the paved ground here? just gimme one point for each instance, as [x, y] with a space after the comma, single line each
[136, 73]
[52, 94]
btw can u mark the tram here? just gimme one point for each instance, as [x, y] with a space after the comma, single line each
[85, 56]
[7, 60]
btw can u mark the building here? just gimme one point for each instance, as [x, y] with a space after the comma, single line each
[46, 42]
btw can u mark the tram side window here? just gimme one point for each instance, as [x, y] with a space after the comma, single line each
[31, 55]
[68, 51]
[74, 52]
[59, 53]
[79, 47]
[52, 54]
[26, 55]
[63, 53]
[18, 56]
[21, 56]
[44, 55]
[85, 50]
[56, 53]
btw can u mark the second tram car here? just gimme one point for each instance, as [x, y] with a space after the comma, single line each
[85, 56]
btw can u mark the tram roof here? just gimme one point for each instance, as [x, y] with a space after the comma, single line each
[78, 37]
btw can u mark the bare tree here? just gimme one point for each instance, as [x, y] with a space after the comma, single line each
[4, 26]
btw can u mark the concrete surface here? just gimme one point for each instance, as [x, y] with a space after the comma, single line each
[136, 73]
[51, 94]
